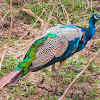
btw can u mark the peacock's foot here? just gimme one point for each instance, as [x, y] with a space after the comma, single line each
[71, 67]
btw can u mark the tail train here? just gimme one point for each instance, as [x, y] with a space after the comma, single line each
[12, 77]
[16, 78]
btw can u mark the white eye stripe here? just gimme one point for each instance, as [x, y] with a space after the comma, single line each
[96, 17]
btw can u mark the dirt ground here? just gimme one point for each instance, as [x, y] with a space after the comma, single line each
[33, 86]
[45, 89]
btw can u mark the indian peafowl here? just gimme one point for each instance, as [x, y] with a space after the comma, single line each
[57, 44]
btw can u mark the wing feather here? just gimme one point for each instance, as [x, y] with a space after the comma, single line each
[66, 40]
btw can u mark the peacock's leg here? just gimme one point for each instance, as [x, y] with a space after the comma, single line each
[53, 67]
[71, 67]
[57, 74]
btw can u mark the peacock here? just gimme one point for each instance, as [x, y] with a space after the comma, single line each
[55, 45]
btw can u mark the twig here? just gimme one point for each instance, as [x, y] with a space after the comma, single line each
[32, 25]
[91, 5]
[73, 8]
[4, 16]
[56, 18]
[9, 38]
[88, 3]
[90, 42]
[46, 25]
[83, 12]
[28, 11]
[97, 27]
[2, 58]
[5, 46]
[45, 11]
[1, 11]
[61, 22]
[65, 13]
[77, 77]
[96, 4]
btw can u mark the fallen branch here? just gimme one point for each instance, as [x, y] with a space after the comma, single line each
[79, 75]
[28, 11]
[38, 18]
[2, 58]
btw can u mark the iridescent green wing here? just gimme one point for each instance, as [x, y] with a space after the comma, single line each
[31, 54]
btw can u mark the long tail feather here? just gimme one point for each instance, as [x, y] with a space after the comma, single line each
[8, 79]
[18, 76]
[13, 77]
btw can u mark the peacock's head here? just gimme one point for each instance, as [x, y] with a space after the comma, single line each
[95, 17]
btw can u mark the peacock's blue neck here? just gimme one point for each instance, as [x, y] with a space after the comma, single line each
[91, 27]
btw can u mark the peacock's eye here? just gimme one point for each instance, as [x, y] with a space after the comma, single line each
[97, 17]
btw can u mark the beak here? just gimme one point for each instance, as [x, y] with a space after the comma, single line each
[98, 16]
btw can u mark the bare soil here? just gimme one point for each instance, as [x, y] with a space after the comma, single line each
[44, 87]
